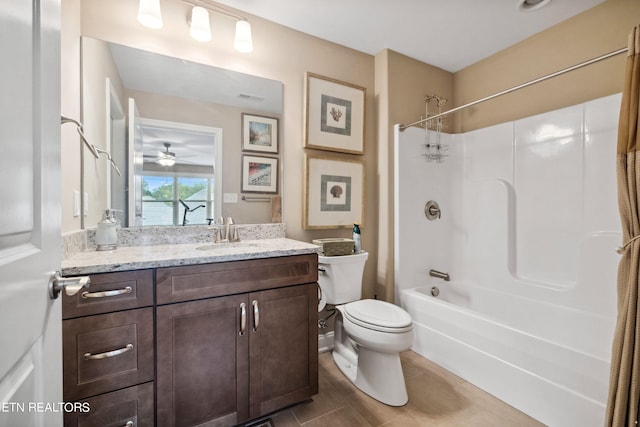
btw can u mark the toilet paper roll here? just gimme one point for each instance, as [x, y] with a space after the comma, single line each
[322, 300]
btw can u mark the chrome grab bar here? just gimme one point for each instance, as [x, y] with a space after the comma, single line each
[107, 354]
[243, 318]
[256, 316]
[105, 294]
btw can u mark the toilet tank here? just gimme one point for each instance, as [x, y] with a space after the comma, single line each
[340, 277]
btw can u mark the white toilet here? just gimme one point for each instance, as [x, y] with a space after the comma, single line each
[369, 334]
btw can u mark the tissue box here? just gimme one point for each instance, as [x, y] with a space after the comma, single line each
[335, 246]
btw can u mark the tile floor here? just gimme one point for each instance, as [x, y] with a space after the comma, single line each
[436, 398]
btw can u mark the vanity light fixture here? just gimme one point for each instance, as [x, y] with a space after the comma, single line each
[200, 27]
[243, 41]
[149, 14]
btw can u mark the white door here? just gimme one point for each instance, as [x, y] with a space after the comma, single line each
[30, 322]
[135, 165]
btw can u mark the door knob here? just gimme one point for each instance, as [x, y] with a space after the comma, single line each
[71, 285]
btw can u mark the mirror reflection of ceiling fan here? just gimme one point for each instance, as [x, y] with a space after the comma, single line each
[166, 158]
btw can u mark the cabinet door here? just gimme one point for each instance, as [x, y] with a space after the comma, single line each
[202, 363]
[284, 347]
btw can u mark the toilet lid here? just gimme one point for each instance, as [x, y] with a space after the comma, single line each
[378, 313]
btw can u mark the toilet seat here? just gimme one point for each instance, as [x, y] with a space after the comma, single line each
[378, 315]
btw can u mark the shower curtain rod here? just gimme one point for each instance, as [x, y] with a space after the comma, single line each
[520, 86]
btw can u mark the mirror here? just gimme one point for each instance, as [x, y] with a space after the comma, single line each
[174, 129]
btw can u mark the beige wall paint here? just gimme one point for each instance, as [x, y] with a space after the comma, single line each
[401, 86]
[97, 67]
[396, 86]
[280, 54]
[599, 30]
[70, 107]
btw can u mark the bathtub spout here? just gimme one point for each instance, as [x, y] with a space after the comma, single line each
[440, 275]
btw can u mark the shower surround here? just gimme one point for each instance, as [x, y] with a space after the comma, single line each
[528, 233]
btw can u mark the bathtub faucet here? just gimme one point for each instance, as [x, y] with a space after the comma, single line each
[439, 275]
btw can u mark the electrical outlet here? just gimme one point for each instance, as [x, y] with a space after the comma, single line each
[76, 203]
[230, 197]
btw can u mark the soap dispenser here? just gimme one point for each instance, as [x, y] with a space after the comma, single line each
[106, 234]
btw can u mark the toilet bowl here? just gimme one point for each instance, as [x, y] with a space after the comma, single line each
[369, 334]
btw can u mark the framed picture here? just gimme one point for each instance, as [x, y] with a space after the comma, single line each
[259, 133]
[259, 174]
[334, 192]
[334, 118]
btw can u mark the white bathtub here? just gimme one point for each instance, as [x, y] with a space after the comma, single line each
[546, 360]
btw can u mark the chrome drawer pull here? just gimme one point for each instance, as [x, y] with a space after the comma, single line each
[256, 316]
[128, 424]
[112, 353]
[104, 294]
[243, 318]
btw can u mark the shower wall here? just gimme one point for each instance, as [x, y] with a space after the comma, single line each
[528, 207]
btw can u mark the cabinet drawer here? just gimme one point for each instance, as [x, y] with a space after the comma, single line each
[110, 292]
[132, 405]
[226, 278]
[106, 352]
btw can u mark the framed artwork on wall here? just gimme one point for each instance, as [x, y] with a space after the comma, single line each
[259, 174]
[334, 116]
[259, 133]
[334, 192]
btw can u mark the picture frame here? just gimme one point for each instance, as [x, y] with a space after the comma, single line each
[334, 116]
[259, 133]
[334, 192]
[259, 174]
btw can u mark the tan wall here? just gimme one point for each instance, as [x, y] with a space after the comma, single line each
[97, 66]
[280, 54]
[401, 86]
[70, 107]
[597, 31]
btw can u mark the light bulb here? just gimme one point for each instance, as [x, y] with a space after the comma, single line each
[149, 14]
[243, 42]
[200, 27]
[166, 161]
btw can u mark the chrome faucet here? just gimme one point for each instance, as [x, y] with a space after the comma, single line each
[440, 275]
[227, 232]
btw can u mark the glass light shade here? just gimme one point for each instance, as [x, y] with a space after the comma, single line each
[200, 27]
[149, 14]
[243, 42]
[166, 161]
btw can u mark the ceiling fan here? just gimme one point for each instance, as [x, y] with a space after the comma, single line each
[166, 157]
[163, 158]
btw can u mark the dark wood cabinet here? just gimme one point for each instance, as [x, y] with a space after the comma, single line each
[108, 350]
[222, 344]
[225, 360]
[283, 348]
[202, 363]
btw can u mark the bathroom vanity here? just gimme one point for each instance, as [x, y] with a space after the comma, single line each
[187, 334]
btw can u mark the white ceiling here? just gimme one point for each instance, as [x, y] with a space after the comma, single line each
[450, 34]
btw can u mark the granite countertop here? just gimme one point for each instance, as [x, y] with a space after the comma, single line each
[155, 256]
